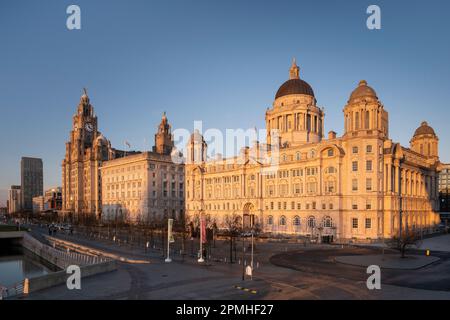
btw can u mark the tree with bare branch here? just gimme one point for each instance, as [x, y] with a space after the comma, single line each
[407, 239]
[233, 225]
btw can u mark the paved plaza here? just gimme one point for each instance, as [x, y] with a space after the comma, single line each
[285, 271]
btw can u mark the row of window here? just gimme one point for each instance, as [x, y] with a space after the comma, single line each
[310, 222]
[355, 223]
[297, 206]
[369, 166]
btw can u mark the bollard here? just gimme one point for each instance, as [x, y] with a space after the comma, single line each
[257, 265]
[26, 286]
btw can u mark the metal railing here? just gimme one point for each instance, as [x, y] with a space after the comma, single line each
[13, 290]
[57, 257]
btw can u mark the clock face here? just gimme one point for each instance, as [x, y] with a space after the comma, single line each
[89, 127]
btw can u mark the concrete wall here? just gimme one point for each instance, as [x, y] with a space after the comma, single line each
[60, 277]
[11, 234]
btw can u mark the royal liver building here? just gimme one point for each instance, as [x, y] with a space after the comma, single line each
[359, 185]
[85, 152]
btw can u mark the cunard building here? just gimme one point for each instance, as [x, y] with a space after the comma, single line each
[361, 185]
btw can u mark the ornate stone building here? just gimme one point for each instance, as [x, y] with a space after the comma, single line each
[146, 187]
[85, 152]
[355, 186]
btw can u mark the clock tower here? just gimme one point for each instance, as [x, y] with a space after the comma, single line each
[85, 152]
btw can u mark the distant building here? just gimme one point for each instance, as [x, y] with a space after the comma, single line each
[53, 198]
[32, 180]
[39, 204]
[14, 199]
[146, 187]
[444, 192]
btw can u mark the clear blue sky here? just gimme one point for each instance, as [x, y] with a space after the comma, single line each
[216, 61]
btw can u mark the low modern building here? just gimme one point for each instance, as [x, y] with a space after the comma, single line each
[53, 198]
[145, 187]
[39, 204]
[14, 199]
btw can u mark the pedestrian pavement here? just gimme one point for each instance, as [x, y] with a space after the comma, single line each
[388, 261]
[439, 243]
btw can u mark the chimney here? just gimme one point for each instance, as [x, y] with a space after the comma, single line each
[331, 135]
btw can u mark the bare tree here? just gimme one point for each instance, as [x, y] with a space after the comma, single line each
[233, 227]
[408, 238]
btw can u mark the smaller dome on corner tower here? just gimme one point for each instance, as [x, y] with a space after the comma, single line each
[363, 90]
[424, 129]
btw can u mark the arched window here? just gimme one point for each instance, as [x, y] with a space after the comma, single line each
[270, 220]
[327, 222]
[282, 221]
[330, 152]
[296, 221]
[356, 120]
[297, 156]
[367, 120]
[311, 222]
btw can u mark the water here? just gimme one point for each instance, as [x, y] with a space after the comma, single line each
[17, 263]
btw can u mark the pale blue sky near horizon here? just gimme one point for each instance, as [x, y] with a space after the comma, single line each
[216, 61]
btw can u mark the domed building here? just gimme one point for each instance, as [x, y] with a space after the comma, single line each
[361, 185]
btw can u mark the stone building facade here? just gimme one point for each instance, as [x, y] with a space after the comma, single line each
[356, 186]
[146, 187]
[85, 152]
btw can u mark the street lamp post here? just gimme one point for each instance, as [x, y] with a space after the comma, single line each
[201, 241]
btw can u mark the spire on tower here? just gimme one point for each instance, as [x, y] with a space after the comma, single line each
[294, 72]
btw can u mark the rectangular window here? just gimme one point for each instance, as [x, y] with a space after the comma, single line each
[369, 148]
[368, 223]
[355, 166]
[299, 206]
[355, 223]
[355, 185]
[368, 184]
[354, 206]
[355, 149]
[369, 165]
[368, 205]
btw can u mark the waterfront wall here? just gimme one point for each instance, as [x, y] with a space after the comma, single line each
[60, 277]
[59, 258]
